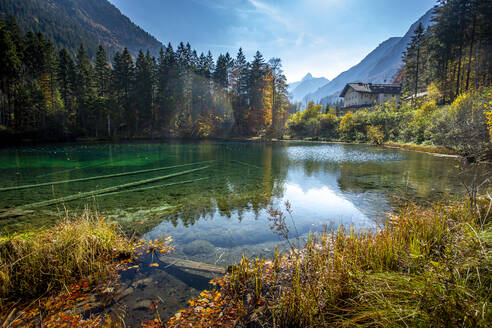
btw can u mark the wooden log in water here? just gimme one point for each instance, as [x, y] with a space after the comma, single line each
[72, 169]
[153, 187]
[246, 164]
[187, 264]
[9, 212]
[97, 177]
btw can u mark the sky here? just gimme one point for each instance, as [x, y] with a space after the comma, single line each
[322, 37]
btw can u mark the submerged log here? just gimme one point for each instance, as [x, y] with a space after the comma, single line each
[12, 212]
[97, 177]
[153, 187]
[187, 264]
[246, 164]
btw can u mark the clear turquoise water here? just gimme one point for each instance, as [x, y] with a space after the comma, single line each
[216, 218]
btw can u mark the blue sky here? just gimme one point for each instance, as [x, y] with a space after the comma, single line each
[323, 37]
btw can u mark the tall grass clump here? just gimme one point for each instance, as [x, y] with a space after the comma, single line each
[34, 263]
[426, 268]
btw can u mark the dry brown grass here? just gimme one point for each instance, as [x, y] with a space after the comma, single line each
[426, 268]
[37, 262]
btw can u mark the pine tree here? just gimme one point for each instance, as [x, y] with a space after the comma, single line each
[144, 90]
[9, 69]
[239, 88]
[257, 114]
[102, 72]
[66, 81]
[279, 95]
[413, 61]
[83, 88]
[123, 82]
[102, 80]
[167, 87]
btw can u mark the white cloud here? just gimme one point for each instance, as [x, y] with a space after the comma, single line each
[300, 39]
[271, 12]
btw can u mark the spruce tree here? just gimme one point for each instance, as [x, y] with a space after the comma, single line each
[83, 88]
[10, 65]
[66, 82]
[144, 90]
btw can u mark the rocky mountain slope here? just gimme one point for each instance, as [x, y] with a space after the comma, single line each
[380, 66]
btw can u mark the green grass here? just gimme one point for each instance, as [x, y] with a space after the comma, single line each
[34, 263]
[426, 268]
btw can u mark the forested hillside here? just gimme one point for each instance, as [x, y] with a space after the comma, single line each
[50, 94]
[70, 23]
[455, 53]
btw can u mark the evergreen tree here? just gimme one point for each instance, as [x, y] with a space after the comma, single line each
[413, 61]
[239, 88]
[144, 90]
[123, 82]
[257, 114]
[66, 81]
[279, 96]
[9, 69]
[102, 72]
[168, 87]
[102, 80]
[84, 78]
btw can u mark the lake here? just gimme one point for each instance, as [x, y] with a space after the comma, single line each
[218, 210]
[212, 198]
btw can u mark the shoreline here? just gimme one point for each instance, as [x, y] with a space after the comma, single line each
[439, 151]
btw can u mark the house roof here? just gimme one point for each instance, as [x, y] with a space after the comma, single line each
[372, 88]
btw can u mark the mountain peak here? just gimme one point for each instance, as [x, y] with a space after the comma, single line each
[308, 84]
[307, 77]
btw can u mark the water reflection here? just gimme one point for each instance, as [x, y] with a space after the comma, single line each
[225, 205]
[327, 185]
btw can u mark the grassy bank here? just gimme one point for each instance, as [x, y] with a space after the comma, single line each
[422, 148]
[32, 264]
[408, 146]
[426, 268]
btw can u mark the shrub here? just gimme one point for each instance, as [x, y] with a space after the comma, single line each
[329, 126]
[347, 127]
[462, 125]
[312, 123]
[375, 135]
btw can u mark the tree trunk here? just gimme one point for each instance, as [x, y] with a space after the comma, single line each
[458, 78]
[416, 78]
[109, 125]
[471, 52]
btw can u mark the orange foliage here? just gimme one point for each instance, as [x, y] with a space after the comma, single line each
[211, 309]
